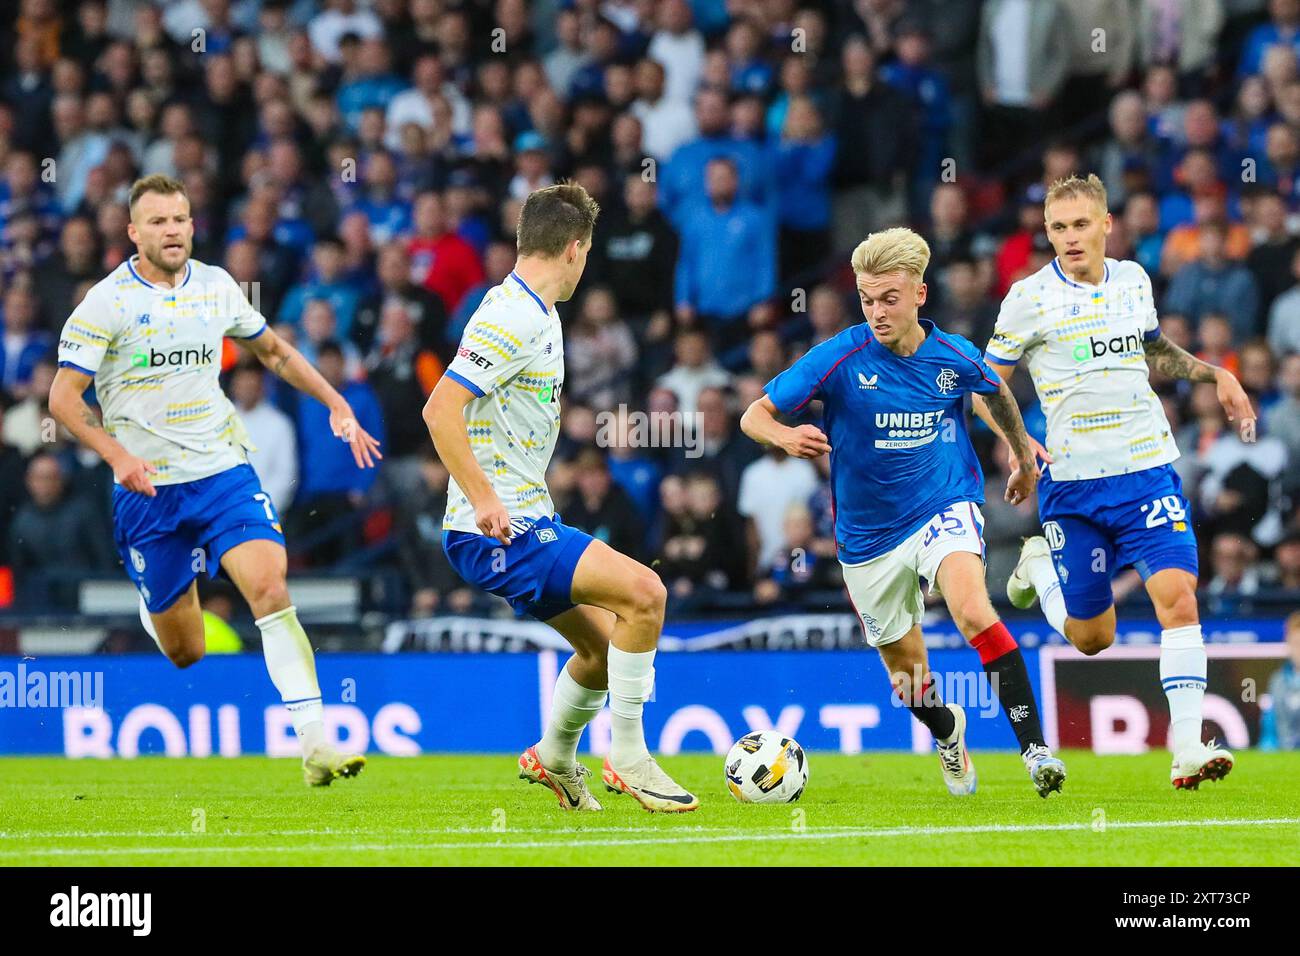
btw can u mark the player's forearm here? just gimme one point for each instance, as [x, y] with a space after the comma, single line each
[1005, 413]
[760, 424]
[980, 409]
[287, 363]
[1168, 359]
[446, 425]
[71, 411]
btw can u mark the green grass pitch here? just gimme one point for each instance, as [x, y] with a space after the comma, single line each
[867, 809]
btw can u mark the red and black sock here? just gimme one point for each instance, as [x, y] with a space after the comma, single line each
[928, 707]
[1005, 667]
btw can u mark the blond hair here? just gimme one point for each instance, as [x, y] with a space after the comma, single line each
[893, 250]
[156, 183]
[1072, 187]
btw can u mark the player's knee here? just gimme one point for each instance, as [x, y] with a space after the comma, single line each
[1092, 641]
[1181, 611]
[267, 594]
[972, 615]
[187, 654]
[646, 596]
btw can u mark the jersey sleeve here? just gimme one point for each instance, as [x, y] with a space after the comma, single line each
[87, 334]
[1146, 308]
[808, 378]
[973, 372]
[245, 321]
[494, 349]
[1015, 329]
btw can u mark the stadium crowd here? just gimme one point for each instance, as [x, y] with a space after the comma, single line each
[361, 167]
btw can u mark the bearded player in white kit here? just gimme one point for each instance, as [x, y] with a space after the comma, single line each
[149, 336]
[1109, 497]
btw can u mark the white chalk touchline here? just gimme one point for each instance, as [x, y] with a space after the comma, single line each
[839, 833]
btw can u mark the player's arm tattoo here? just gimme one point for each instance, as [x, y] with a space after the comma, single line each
[1168, 359]
[89, 417]
[1002, 406]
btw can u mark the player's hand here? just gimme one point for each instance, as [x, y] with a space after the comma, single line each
[1021, 484]
[344, 425]
[1236, 403]
[805, 441]
[133, 473]
[1036, 449]
[493, 520]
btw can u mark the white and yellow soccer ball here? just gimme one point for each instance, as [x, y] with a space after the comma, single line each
[766, 767]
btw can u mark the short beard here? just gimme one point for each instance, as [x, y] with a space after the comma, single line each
[165, 268]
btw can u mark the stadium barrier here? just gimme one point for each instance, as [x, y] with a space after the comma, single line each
[837, 700]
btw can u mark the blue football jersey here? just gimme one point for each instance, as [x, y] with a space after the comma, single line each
[900, 453]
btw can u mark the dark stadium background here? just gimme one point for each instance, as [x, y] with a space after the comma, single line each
[361, 166]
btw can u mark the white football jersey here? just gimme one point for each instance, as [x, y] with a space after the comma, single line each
[155, 353]
[512, 358]
[1085, 346]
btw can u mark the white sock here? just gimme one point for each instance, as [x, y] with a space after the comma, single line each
[1182, 674]
[1042, 575]
[573, 707]
[631, 682]
[147, 621]
[292, 666]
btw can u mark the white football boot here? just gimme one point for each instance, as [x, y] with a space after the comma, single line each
[324, 765]
[1045, 770]
[646, 783]
[569, 786]
[954, 758]
[1198, 763]
[1020, 590]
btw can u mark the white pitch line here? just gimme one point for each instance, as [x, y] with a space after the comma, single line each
[845, 833]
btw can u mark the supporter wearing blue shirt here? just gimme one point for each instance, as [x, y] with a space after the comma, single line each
[727, 261]
[681, 181]
[803, 162]
[373, 88]
[1284, 29]
[328, 283]
[327, 464]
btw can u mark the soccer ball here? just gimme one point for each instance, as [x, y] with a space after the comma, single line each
[766, 767]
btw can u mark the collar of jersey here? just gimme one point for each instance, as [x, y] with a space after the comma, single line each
[1105, 277]
[189, 271]
[545, 311]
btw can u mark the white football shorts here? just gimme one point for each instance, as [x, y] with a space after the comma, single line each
[886, 591]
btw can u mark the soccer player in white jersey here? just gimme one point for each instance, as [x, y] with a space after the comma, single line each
[1109, 497]
[185, 500]
[494, 418]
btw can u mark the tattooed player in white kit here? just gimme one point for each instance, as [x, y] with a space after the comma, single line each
[1109, 498]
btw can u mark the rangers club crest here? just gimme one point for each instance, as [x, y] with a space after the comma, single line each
[947, 380]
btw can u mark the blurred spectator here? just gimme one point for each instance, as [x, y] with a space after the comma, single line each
[1283, 28]
[441, 261]
[1272, 258]
[1216, 337]
[436, 589]
[217, 601]
[703, 548]
[402, 373]
[1233, 575]
[966, 309]
[721, 449]
[667, 121]
[332, 488]
[727, 264]
[1283, 423]
[1211, 284]
[804, 161]
[768, 487]
[274, 455]
[679, 47]
[798, 567]
[1179, 32]
[427, 311]
[1280, 724]
[58, 278]
[634, 252]
[1024, 55]
[55, 534]
[694, 370]
[1284, 315]
[1130, 143]
[601, 508]
[23, 344]
[600, 352]
[878, 136]
[12, 478]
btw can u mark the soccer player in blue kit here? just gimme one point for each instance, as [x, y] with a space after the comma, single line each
[907, 489]
[149, 337]
[1109, 497]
